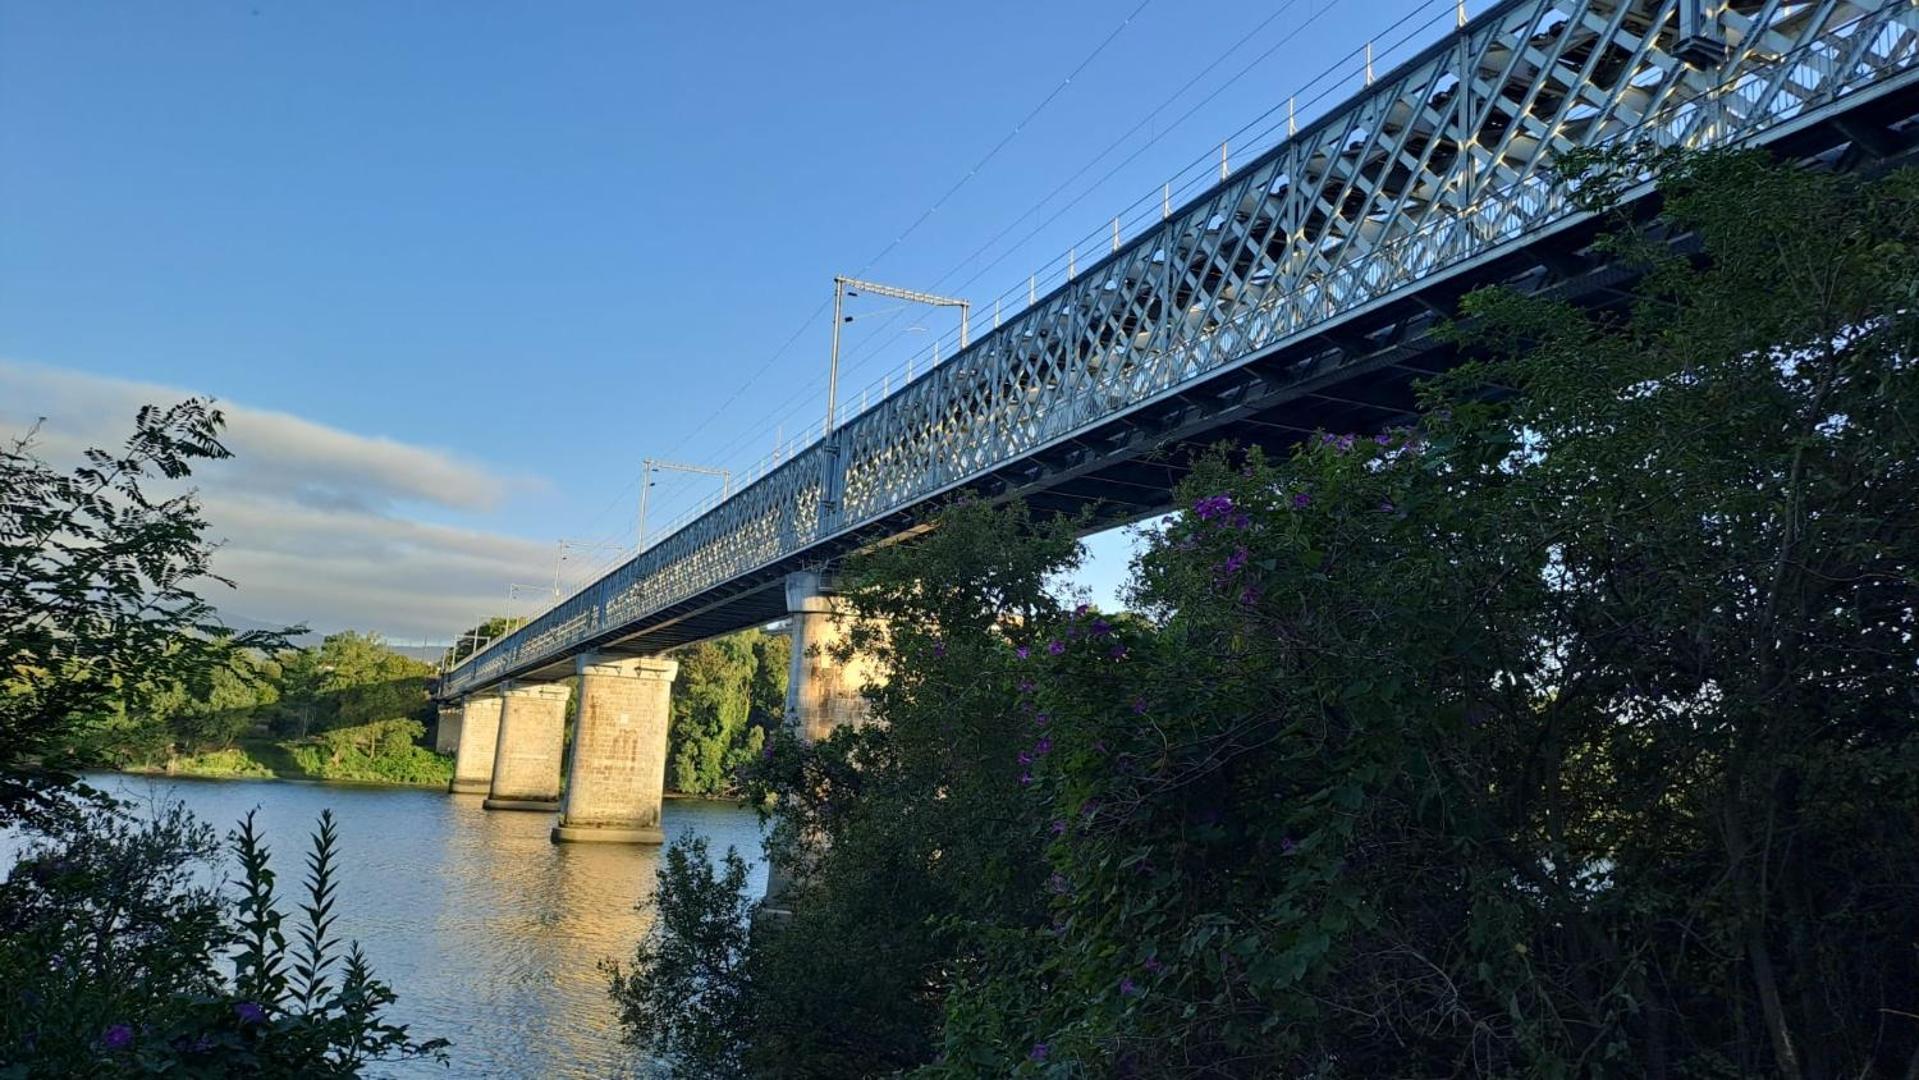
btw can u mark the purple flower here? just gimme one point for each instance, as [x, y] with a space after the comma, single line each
[1040, 720]
[1056, 647]
[1153, 965]
[1127, 987]
[1057, 883]
[1022, 652]
[1026, 686]
[1383, 439]
[1213, 506]
[249, 1013]
[1385, 506]
[1080, 611]
[939, 648]
[1025, 779]
[1237, 560]
[1043, 746]
[1038, 1052]
[1058, 826]
[1101, 628]
[1249, 596]
[1344, 443]
[117, 1037]
[1287, 846]
[1025, 758]
[1302, 500]
[1117, 652]
[1139, 706]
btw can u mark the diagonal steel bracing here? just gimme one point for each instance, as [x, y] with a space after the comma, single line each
[1260, 289]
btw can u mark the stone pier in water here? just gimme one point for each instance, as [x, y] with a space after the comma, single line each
[616, 769]
[526, 763]
[446, 731]
[479, 733]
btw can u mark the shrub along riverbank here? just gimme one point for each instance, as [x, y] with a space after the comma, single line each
[384, 752]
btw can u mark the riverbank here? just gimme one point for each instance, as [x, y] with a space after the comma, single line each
[381, 753]
[303, 761]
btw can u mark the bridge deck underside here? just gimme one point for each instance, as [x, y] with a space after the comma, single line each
[1353, 365]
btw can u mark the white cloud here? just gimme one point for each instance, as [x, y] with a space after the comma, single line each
[313, 520]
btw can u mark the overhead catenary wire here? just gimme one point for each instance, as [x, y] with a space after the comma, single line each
[1201, 165]
[1159, 197]
[812, 319]
[1205, 180]
[856, 359]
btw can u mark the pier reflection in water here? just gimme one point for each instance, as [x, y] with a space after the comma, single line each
[489, 932]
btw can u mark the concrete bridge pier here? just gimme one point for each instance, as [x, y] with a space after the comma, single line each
[446, 732]
[479, 733]
[616, 769]
[822, 692]
[526, 763]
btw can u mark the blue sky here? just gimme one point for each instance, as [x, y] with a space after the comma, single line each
[491, 255]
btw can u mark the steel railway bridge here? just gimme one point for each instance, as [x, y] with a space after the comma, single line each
[1298, 294]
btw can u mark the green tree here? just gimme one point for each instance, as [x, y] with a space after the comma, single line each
[906, 840]
[238, 698]
[712, 702]
[684, 995]
[772, 660]
[112, 951]
[352, 679]
[99, 611]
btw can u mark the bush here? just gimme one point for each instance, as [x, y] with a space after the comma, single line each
[231, 762]
[684, 994]
[115, 959]
[385, 751]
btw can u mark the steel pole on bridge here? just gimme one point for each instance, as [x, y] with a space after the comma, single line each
[845, 287]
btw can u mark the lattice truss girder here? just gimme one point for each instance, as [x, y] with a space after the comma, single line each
[1442, 161]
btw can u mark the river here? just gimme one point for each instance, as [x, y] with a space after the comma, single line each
[489, 932]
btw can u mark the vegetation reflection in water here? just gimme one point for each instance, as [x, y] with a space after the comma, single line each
[491, 931]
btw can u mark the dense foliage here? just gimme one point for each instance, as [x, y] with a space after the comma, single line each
[728, 694]
[117, 958]
[98, 608]
[1567, 731]
[349, 708]
[116, 955]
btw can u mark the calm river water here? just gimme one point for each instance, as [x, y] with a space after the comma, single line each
[488, 931]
